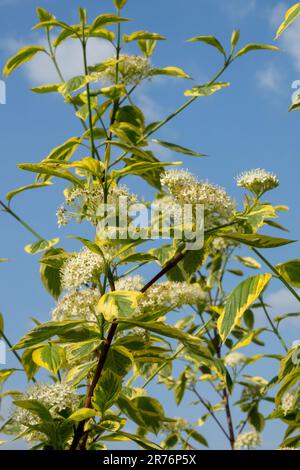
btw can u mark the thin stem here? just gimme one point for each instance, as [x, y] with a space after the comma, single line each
[277, 273]
[211, 412]
[275, 330]
[152, 376]
[9, 344]
[88, 90]
[175, 113]
[21, 221]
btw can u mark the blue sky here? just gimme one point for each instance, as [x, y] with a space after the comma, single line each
[246, 126]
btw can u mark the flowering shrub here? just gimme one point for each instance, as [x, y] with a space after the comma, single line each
[111, 328]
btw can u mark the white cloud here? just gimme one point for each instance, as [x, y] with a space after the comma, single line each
[152, 110]
[69, 56]
[282, 302]
[270, 78]
[238, 9]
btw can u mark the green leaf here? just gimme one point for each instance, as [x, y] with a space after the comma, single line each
[51, 170]
[290, 16]
[151, 176]
[171, 72]
[180, 387]
[240, 299]
[248, 262]
[206, 90]
[50, 274]
[35, 407]
[2, 260]
[1, 325]
[82, 414]
[5, 374]
[75, 84]
[120, 3]
[289, 381]
[30, 367]
[256, 240]
[78, 351]
[107, 391]
[164, 330]
[79, 373]
[41, 245]
[197, 437]
[12, 194]
[105, 20]
[178, 148]
[255, 47]
[50, 357]
[145, 411]
[119, 360]
[125, 436]
[235, 39]
[141, 168]
[118, 304]
[44, 332]
[143, 35]
[138, 258]
[64, 151]
[46, 88]
[44, 15]
[290, 271]
[88, 165]
[211, 40]
[147, 47]
[24, 55]
[113, 92]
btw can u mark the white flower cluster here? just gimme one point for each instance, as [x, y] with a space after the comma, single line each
[86, 201]
[248, 440]
[130, 283]
[56, 397]
[234, 359]
[164, 295]
[257, 181]
[186, 189]
[80, 268]
[77, 305]
[132, 70]
[288, 401]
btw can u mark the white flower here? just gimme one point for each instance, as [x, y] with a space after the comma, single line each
[132, 70]
[186, 189]
[170, 295]
[234, 359]
[129, 283]
[248, 440]
[288, 401]
[87, 201]
[257, 181]
[62, 219]
[56, 397]
[80, 269]
[77, 306]
[160, 296]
